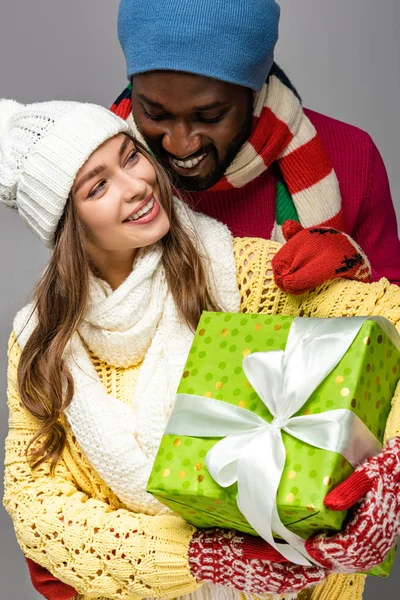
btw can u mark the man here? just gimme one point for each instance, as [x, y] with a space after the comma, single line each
[244, 152]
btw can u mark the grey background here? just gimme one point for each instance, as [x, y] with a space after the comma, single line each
[342, 55]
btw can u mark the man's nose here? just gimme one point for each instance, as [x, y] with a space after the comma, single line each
[181, 140]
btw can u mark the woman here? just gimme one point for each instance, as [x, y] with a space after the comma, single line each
[108, 334]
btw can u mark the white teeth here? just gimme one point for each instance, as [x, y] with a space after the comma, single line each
[188, 164]
[147, 208]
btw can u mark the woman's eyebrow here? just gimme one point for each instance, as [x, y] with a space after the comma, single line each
[100, 168]
[90, 175]
[124, 145]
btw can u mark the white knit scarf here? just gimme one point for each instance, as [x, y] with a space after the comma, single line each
[137, 322]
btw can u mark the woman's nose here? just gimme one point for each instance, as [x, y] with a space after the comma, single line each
[132, 188]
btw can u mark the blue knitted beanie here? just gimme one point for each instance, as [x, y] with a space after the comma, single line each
[230, 40]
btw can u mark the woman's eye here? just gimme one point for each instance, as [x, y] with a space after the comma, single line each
[97, 189]
[132, 156]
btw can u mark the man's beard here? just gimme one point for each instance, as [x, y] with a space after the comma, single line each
[198, 184]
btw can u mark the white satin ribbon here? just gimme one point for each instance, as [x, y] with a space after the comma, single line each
[252, 452]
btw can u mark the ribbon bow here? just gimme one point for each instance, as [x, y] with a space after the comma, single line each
[252, 452]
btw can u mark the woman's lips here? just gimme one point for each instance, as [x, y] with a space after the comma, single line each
[148, 216]
[139, 207]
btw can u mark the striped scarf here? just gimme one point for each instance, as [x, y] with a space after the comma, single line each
[307, 190]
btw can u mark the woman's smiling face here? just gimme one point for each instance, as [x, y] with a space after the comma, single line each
[117, 198]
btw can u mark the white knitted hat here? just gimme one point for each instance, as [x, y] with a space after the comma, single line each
[42, 147]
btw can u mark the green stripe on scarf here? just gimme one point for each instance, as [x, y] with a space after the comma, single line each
[285, 208]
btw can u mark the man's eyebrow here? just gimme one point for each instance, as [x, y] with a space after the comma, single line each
[88, 176]
[149, 101]
[202, 108]
[210, 106]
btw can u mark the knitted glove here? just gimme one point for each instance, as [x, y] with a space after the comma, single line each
[375, 525]
[47, 585]
[247, 563]
[317, 254]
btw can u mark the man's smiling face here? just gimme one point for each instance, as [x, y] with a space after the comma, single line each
[194, 125]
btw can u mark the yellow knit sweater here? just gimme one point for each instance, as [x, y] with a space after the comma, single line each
[72, 523]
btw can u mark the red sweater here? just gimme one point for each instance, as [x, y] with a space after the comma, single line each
[366, 200]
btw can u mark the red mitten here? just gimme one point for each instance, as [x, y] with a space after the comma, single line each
[47, 585]
[247, 563]
[317, 254]
[375, 526]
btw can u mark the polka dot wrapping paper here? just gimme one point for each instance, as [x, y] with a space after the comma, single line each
[363, 382]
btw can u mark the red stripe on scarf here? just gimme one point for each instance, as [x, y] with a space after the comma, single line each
[305, 166]
[336, 222]
[122, 109]
[222, 185]
[270, 136]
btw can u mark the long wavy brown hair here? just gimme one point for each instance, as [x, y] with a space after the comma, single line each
[60, 301]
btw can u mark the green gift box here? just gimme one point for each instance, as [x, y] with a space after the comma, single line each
[363, 382]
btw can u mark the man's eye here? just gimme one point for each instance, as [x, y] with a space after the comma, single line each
[216, 119]
[97, 189]
[153, 117]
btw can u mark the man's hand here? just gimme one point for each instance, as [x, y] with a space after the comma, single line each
[315, 255]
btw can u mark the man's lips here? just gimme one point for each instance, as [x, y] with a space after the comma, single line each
[189, 166]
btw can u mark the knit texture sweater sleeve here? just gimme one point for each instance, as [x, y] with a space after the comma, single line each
[367, 205]
[375, 227]
[99, 551]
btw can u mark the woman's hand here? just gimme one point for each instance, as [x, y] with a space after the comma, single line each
[373, 491]
[226, 558]
[247, 563]
[251, 565]
[315, 255]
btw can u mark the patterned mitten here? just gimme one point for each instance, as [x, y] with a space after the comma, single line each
[375, 525]
[247, 563]
[317, 254]
[47, 585]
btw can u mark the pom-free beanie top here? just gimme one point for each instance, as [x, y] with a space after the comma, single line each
[42, 148]
[233, 41]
